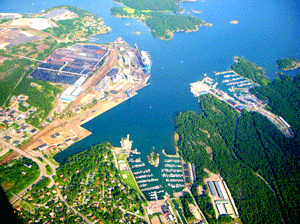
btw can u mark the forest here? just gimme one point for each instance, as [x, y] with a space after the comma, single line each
[250, 70]
[153, 5]
[162, 25]
[252, 155]
[288, 63]
[15, 176]
[214, 127]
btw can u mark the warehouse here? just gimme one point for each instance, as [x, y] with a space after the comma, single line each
[69, 90]
[76, 92]
[221, 209]
[218, 189]
[80, 81]
[211, 188]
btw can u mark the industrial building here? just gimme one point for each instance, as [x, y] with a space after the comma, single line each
[66, 95]
[211, 188]
[80, 81]
[76, 92]
[219, 191]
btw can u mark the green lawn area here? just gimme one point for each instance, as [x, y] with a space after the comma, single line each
[52, 160]
[121, 156]
[49, 170]
[130, 180]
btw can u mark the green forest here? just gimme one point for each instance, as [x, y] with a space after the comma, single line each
[250, 70]
[288, 63]
[162, 25]
[153, 5]
[15, 176]
[259, 164]
[214, 127]
[85, 24]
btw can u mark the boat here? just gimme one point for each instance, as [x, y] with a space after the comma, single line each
[146, 61]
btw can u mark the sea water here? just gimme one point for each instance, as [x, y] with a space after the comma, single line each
[267, 30]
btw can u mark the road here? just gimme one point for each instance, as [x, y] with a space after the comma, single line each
[16, 85]
[88, 87]
[41, 165]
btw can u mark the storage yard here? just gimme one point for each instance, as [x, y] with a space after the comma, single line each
[221, 197]
[69, 64]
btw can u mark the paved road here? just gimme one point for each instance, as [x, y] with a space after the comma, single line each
[41, 165]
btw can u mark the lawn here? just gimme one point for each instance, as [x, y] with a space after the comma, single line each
[130, 180]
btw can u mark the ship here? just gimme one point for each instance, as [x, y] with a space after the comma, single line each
[146, 61]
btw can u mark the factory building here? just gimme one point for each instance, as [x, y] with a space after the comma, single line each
[66, 95]
[80, 81]
[211, 188]
[219, 191]
[76, 92]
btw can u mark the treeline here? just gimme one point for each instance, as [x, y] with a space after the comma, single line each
[15, 176]
[288, 63]
[215, 128]
[250, 70]
[153, 5]
[186, 200]
[162, 25]
[261, 146]
[282, 154]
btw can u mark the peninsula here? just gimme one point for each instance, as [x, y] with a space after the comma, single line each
[52, 83]
[288, 64]
[161, 17]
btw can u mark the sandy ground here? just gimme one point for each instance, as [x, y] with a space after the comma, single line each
[195, 212]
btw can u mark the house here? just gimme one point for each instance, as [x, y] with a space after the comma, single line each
[7, 138]
[17, 142]
[33, 131]
[28, 165]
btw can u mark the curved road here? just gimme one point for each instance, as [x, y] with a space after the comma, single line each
[41, 165]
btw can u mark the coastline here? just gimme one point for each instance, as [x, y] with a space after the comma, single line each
[96, 111]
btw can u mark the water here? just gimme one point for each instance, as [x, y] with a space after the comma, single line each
[267, 30]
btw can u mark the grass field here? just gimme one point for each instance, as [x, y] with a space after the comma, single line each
[129, 180]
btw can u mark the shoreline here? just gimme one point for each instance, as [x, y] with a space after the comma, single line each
[102, 108]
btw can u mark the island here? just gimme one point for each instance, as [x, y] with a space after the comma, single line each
[153, 159]
[288, 64]
[234, 22]
[161, 17]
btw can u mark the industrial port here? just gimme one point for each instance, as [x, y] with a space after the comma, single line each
[235, 91]
[96, 78]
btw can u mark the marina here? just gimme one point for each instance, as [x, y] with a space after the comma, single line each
[157, 182]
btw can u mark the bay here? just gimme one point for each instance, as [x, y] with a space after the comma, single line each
[267, 30]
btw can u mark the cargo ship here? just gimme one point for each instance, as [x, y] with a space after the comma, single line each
[146, 61]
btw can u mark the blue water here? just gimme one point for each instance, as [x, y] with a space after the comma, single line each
[268, 30]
